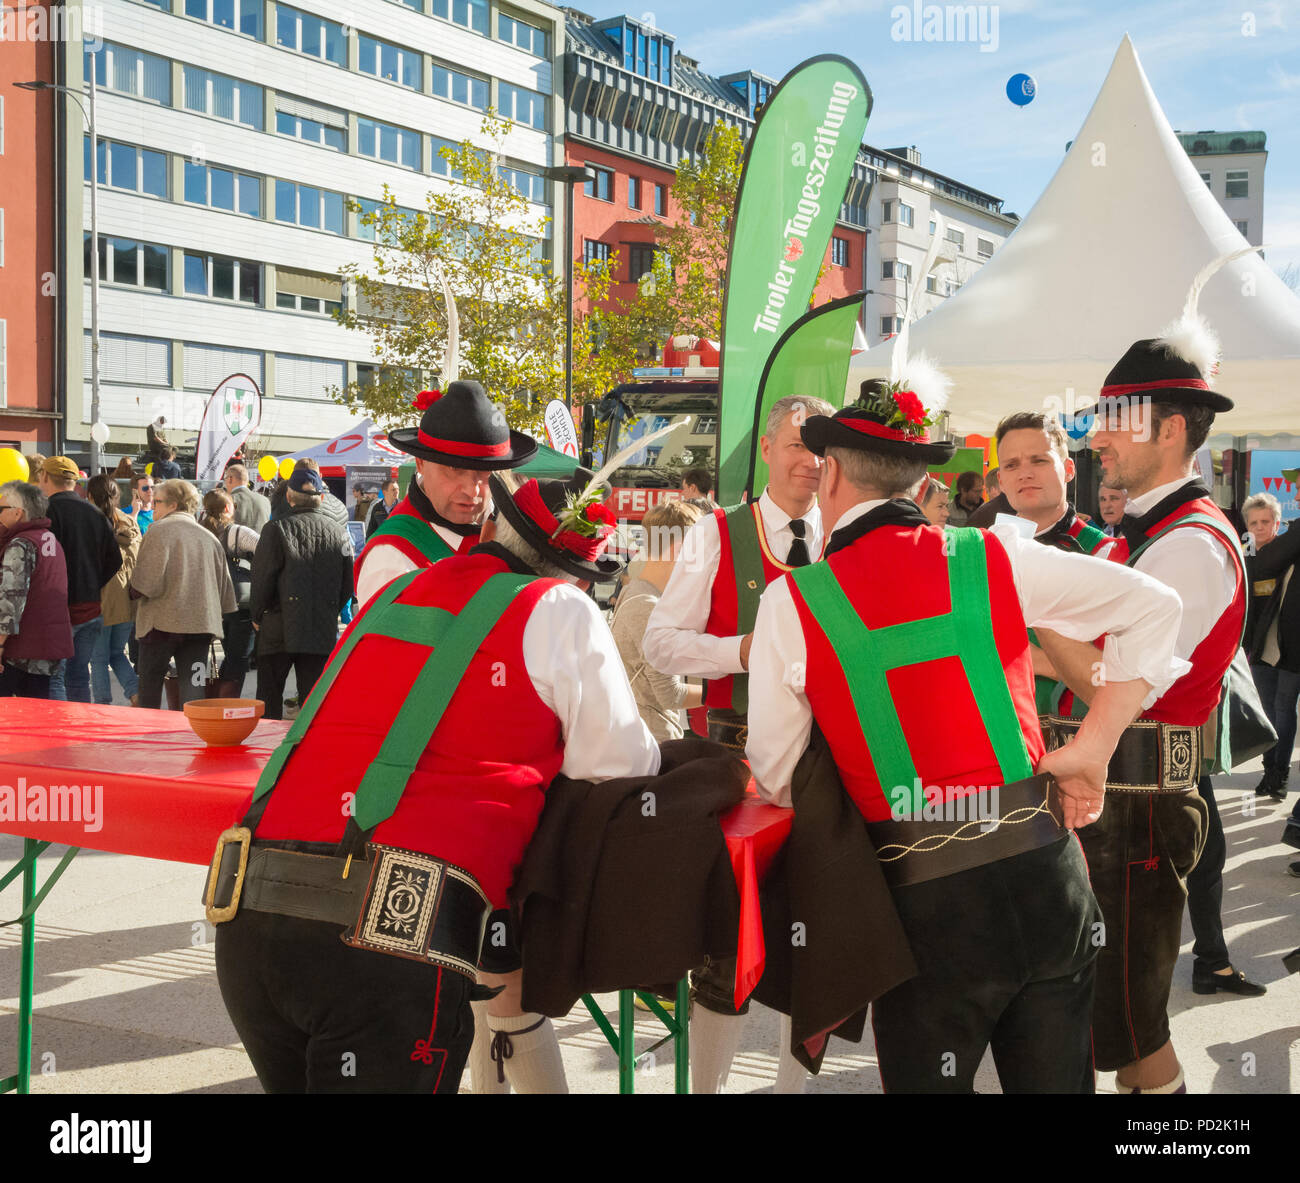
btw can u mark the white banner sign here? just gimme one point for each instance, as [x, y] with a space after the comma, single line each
[231, 416]
[560, 431]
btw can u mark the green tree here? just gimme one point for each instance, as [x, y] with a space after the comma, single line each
[510, 303]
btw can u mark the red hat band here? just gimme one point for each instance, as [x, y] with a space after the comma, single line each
[871, 427]
[529, 499]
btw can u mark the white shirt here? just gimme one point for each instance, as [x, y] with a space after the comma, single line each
[675, 641]
[1078, 596]
[575, 667]
[1190, 561]
[385, 562]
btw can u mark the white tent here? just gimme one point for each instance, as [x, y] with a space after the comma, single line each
[1104, 258]
[362, 443]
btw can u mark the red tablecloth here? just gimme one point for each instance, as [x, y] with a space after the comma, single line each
[754, 831]
[165, 793]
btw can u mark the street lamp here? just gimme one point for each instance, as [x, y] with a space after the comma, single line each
[94, 249]
[569, 176]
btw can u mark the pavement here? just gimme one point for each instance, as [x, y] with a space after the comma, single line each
[127, 999]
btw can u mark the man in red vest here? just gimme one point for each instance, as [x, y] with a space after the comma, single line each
[703, 627]
[1155, 411]
[971, 834]
[461, 440]
[400, 826]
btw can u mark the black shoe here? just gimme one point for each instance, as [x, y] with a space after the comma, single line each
[1271, 785]
[1291, 833]
[1294, 869]
[1206, 982]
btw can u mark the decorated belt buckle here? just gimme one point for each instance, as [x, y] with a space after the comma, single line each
[1180, 750]
[219, 914]
[400, 903]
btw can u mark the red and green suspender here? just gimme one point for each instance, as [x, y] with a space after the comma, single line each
[866, 656]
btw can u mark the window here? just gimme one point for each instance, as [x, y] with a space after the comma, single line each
[385, 142]
[893, 269]
[957, 237]
[1206, 178]
[124, 167]
[473, 14]
[904, 214]
[932, 284]
[305, 291]
[206, 365]
[532, 186]
[441, 166]
[315, 124]
[933, 227]
[984, 246]
[593, 251]
[389, 61]
[1241, 228]
[305, 205]
[242, 15]
[368, 231]
[140, 264]
[143, 361]
[641, 260]
[601, 186]
[460, 88]
[132, 72]
[523, 106]
[1237, 183]
[307, 377]
[222, 278]
[840, 252]
[886, 212]
[890, 325]
[226, 98]
[311, 35]
[223, 188]
[634, 193]
[661, 200]
[522, 34]
[706, 425]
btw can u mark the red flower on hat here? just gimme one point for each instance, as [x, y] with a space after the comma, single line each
[909, 406]
[600, 514]
[425, 399]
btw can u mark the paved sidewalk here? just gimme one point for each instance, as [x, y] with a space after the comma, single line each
[127, 998]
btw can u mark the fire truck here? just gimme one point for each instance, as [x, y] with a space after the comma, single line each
[685, 387]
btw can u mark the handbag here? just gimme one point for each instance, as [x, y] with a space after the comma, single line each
[241, 575]
[1239, 730]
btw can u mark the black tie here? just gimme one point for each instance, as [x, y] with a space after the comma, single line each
[798, 556]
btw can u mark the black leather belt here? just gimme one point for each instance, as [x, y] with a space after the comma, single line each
[1150, 757]
[974, 829]
[729, 728]
[394, 901]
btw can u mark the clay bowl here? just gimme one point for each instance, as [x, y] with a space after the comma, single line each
[223, 722]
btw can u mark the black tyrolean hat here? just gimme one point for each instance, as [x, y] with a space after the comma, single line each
[461, 428]
[565, 521]
[889, 418]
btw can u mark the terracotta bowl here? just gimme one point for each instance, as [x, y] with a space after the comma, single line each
[224, 722]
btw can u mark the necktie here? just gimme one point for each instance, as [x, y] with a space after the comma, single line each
[798, 556]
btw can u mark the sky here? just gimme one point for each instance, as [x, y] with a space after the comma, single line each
[1212, 65]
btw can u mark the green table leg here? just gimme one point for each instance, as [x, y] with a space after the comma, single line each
[32, 848]
[682, 1047]
[626, 1043]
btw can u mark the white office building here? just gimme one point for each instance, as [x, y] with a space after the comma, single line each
[1231, 163]
[232, 135]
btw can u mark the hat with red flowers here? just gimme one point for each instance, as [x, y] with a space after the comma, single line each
[461, 428]
[566, 521]
[890, 417]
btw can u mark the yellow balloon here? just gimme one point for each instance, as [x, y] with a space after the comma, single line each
[993, 451]
[148, 469]
[266, 468]
[286, 467]
[13, 465]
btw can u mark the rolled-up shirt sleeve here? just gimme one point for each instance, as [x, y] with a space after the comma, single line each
[577, 672]
[1082, 598]
[675, 641]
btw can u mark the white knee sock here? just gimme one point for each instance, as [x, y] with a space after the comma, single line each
[482, 1071]
[1173, 1086]
[528, 1048]
[791, 1075]
[714, 1039]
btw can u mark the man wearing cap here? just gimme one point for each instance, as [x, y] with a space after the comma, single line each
[462, 438]
[302, 579]
[702, 627]
[485, 675]
[1154, 412]
[93, 558]
[991, 890]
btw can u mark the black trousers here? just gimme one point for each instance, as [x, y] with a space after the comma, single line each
[17, 682]
[156, 652]
[1205, 889]
[273, 672]
[317, 1016]
[1006, 956]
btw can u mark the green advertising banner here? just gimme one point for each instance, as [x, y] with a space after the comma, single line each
[797, 168]
[811, 359]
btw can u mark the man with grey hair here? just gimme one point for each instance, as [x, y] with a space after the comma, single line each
[35, 632]
[251, 509]
[703, 627]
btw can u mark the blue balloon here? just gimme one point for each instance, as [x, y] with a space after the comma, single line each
[1078, 426]
[1021, 89]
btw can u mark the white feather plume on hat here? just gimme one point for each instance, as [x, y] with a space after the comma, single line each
[1190, 337]
[919, 373]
